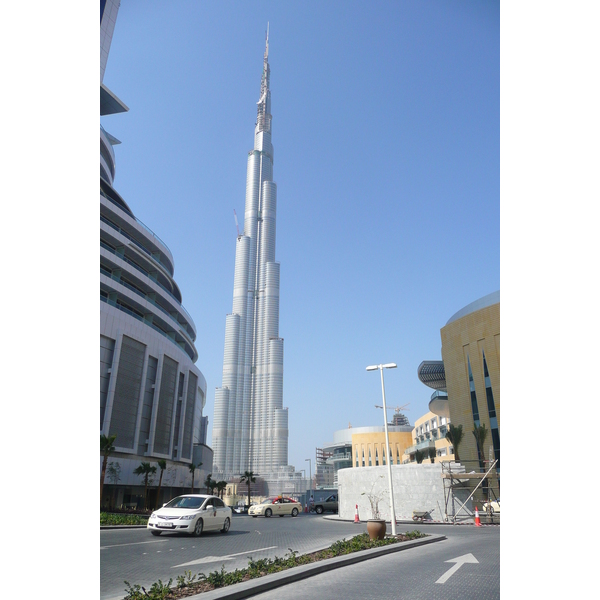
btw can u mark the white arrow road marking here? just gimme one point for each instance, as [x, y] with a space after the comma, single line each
[460, 561]
[208, 559]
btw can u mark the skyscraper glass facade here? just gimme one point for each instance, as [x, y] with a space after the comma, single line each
[250, 430]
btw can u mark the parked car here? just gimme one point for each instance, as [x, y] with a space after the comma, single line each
[330, 503]
[276, 506]
[193, 514]
[493, 507]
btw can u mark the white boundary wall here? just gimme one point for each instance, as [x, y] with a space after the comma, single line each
[416, 487]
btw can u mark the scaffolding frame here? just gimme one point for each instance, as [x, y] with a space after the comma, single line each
[462, 480]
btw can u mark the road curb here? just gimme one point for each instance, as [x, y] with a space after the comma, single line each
[240, 591]
[416, 523]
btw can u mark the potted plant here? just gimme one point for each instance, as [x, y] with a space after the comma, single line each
[376, 526]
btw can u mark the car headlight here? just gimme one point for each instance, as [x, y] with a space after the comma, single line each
[153, 516]
[187, 517]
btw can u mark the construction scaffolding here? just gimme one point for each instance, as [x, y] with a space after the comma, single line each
[459, 490]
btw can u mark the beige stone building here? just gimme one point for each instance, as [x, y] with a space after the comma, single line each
[368, 448]
[470, 374]
[429, 433]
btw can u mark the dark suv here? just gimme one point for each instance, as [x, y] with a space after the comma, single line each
[330, 504]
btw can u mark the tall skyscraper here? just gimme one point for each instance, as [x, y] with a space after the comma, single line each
[250, 430]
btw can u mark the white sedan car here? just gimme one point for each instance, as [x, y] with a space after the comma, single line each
[276, 506]
[193, 514]
[493, 507]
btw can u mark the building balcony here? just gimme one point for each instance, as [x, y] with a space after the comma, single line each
[336, 458]
[422, 446]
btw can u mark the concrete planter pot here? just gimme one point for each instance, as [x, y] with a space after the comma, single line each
[376, 529]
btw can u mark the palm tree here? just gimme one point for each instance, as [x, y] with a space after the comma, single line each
[248, 477]
[193, 468]
[221, 485]
[480, 434]
[210, 483]
[455, 435]
[145, 469]
[107, 447]
[162, 465]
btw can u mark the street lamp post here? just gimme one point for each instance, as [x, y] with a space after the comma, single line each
[309, 479]
[387, 441]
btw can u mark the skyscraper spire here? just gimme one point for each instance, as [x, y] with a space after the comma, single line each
[250, 430]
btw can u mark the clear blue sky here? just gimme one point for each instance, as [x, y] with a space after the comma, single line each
[387, 158]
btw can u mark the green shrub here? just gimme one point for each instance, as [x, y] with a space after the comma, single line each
[122, 519]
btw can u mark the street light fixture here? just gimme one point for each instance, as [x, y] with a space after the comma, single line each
[309, 479]
[387, 441]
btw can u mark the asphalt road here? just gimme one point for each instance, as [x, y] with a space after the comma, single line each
[136, 556]
[414, 574]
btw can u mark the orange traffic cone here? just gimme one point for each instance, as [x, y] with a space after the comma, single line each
[356, 519]
[477, 521]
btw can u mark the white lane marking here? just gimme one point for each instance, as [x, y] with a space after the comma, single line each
[460, 561]
[133, 544]
[208, 559]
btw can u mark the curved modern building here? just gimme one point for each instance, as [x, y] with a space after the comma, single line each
[250, 429]
[470, 374]
[151, 392]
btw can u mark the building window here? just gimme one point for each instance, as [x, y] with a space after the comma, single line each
[492, 412]
[474, 407]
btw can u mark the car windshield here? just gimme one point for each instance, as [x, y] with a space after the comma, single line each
[268, 501]
[185, 502]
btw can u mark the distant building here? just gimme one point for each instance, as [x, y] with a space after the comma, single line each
[400, 419]
[429, 435]
[357, 447]
[324, 470]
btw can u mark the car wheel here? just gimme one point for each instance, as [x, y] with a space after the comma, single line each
[198, 527]
[294, 512]
[268, 512]
[226, 526]
[155, 532]
[319, 510]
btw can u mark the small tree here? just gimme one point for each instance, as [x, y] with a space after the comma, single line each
[193, 468]
[249, 478]
[221, 485]
[210, 484]
[162, 465]
[145, 469]
[419, 456]
[107, 447]
[480, 434]
[455, 435]
[432, 454]
[113, 472]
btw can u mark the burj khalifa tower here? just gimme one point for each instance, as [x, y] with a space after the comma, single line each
[250, 429]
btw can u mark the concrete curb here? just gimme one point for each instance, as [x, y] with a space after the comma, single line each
[240, 591]
[417, 523]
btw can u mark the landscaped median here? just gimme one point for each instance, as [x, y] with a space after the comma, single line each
[266, 574]
[116, 519]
